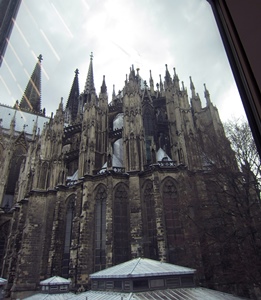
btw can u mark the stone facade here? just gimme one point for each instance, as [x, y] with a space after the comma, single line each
[106, 182]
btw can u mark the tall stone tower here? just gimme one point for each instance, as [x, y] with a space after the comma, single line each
[148, 174]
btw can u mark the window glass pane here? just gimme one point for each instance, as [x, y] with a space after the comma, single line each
[121, 246]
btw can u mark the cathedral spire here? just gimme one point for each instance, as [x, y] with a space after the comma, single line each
[89, 84]
[31, 99]
[72, 102]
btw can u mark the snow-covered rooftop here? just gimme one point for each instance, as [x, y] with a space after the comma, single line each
[55, 280]
[140, 267]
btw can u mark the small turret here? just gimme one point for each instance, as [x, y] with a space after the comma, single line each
[192, 87]
[195, 100]
[207, 95]
[176, 80]
[12, 126]
[151, 84]
[168, 80]
[183, 86]
[113, 93]
[103, 87]
[60, 108]
[103, 97]
[161, 84]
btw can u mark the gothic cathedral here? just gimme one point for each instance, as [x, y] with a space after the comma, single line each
[99, 183]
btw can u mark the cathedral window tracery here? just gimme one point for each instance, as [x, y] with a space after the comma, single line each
[121, 248]
[100, 229]
[15, 165]
[149, 222]
[174, 231]
[68, 235]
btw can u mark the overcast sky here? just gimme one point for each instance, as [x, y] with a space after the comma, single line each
[146, 33]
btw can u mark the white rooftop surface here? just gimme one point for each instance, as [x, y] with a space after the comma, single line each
[197, 293]
[170, 294]
[21, 119]
[140, 267]
[55, 280]
[115, 163]
[74, 176]
[64, 296]
[162, 154]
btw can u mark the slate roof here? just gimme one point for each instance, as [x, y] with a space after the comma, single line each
[55, 280]
[140, 267]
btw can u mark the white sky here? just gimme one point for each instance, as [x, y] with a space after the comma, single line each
[146, 33]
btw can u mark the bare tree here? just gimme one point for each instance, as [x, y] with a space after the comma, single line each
[243, 144]
[228, 218]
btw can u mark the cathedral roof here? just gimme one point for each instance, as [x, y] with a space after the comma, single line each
[31, 99]
[140, 267]
[23, 120]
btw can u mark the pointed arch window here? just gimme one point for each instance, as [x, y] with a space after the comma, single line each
[68, 236]
[149, 128]
[148, 120]
[121, 246]
[174, 230]
[149, 222]
[13, 177]
[4, 231]
[100, 229]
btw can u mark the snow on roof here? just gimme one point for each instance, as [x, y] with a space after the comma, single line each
[115, 163]
[140, 267]
[55, 280]
[63, 296]
[3, 281]
[21, 119]
[74, 176]
[162, 154]
[196, 293]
